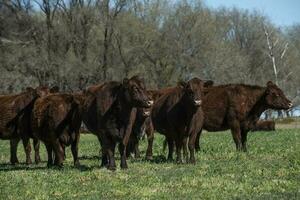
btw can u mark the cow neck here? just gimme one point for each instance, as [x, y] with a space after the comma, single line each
[123, 107]
[260, 106]
[189, 109]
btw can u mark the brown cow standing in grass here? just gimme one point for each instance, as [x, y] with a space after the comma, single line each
[177, 115]
[14, 120]
[110, 112]
[238, 107]
[56, 120]
[264, 125]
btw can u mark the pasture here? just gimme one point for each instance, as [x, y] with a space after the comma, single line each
[269, 170]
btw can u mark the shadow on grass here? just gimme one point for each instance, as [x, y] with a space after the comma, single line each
[6, 167]
[89, 157]
[156, 159]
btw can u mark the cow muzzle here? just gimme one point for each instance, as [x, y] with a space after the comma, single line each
[146, 113]
[149, 103]
[197, 102]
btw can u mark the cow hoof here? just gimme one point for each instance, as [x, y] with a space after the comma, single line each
[28, 162]
[192, 162]
[37, 160]
[124, 167]
[112, 168]
[14, 162]
[77, 164]
[150, 158]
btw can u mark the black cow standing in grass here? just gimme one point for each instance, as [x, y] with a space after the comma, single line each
[109, 113]
[177, 114]
[238, 107]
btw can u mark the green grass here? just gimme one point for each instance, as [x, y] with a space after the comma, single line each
[270, 170]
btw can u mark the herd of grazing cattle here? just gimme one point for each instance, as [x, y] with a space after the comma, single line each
[120, 113]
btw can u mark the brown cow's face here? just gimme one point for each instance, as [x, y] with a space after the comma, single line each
[44, 90]
[135, 92]
[275, 98]
[193, 90]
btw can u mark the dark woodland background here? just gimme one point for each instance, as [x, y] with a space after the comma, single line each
[76, 43]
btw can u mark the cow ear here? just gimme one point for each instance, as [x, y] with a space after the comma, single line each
[208, 83]
[54, 89]
[270, 84]
[29, 89]
[182, 84]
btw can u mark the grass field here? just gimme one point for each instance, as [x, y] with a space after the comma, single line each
[270, 170]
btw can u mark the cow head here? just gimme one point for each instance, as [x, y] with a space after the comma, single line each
[275, 98]
[44, 90]
[193, 90]
[135, 92]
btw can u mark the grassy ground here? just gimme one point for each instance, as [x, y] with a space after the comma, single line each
[270, 170]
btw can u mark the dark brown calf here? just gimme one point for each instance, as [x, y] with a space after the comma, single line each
[238, 107]
[177, 115]
[110, 112]
[264, 125]
[56, 120]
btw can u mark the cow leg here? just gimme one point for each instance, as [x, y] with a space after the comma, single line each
[13, 151]
[197, 141]
[36, 145]
[27, 148]
[104, 156]
[185, 151]
[149, 153]
[136, 150]
[244, 140]
[111, 156]
[236, 134]
[171, 149]
[50, 155]
[150, 139]
[178, 144]
[191, 144]
[59, 153]
[122, 150]
[74, 149]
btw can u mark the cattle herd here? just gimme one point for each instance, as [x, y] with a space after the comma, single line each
[120, 113]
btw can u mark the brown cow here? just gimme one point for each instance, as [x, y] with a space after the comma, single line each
[24, 130]
[264, 125]
[177, 115]
[109, 113]
[238, 107]
[56, 120]
[14, 115]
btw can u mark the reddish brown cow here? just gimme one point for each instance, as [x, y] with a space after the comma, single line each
[177, 115]
[24, 130]
[56, 120]
[15, 112]
[110, 113]
[238, 107]
[264, 125]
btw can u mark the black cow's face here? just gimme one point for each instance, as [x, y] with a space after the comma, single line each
[193, 91]
[135, 92]
[275, 98]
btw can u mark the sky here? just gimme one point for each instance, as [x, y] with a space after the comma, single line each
[281, 12]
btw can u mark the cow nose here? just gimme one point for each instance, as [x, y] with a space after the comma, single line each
[198, 102]
[150, 103]
[147, 113]
[290, 105]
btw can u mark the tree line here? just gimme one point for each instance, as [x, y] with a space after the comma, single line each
[76, 43]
